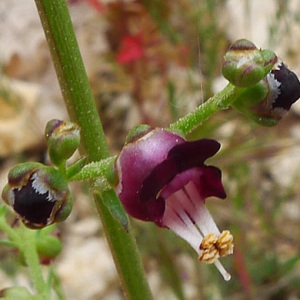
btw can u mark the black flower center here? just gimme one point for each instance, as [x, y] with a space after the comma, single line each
[31, 205]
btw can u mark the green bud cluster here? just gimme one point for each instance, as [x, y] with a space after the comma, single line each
[63, 138]
[245, 65]
[267, 88]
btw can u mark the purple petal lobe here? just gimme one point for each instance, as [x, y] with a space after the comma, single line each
[191, 154]
[180, 158]
[206, 178]
[210, 183]
[158, 178]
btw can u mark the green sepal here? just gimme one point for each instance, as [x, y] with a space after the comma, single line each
[250, 97]
[136, 132]
[113, 204]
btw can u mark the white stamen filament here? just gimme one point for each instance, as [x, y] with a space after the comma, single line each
[188, 217]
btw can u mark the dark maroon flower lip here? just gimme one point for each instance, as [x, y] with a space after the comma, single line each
[289, 86]
[180, 158]
[283, 91]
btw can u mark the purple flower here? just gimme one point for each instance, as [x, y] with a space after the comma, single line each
[163, 179]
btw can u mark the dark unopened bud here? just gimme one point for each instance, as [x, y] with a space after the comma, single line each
[38, 194]
[270, 100]
[284, 87]
[63, 138]
[245, 65]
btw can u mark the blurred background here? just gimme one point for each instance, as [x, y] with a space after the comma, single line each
[153, 61]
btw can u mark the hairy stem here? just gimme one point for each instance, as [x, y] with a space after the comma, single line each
[219, 101]
[80, 103]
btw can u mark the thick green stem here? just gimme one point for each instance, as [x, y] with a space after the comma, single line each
[71, 74]
[79, 100]
[219, 101]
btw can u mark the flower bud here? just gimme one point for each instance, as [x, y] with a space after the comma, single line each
[38, 194]
[48, 247]
[270, 99]
[245, 65]
[63, 138]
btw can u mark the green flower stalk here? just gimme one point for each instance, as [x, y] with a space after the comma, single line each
[25, 241]
[48, 245]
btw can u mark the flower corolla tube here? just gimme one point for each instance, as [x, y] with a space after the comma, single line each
[163, 179]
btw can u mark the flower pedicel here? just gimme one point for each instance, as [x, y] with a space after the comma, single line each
[163, 179]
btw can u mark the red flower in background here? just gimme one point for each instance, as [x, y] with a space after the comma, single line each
[131, 49]
[98, 6]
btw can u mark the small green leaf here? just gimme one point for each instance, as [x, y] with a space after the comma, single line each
[115, 207]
